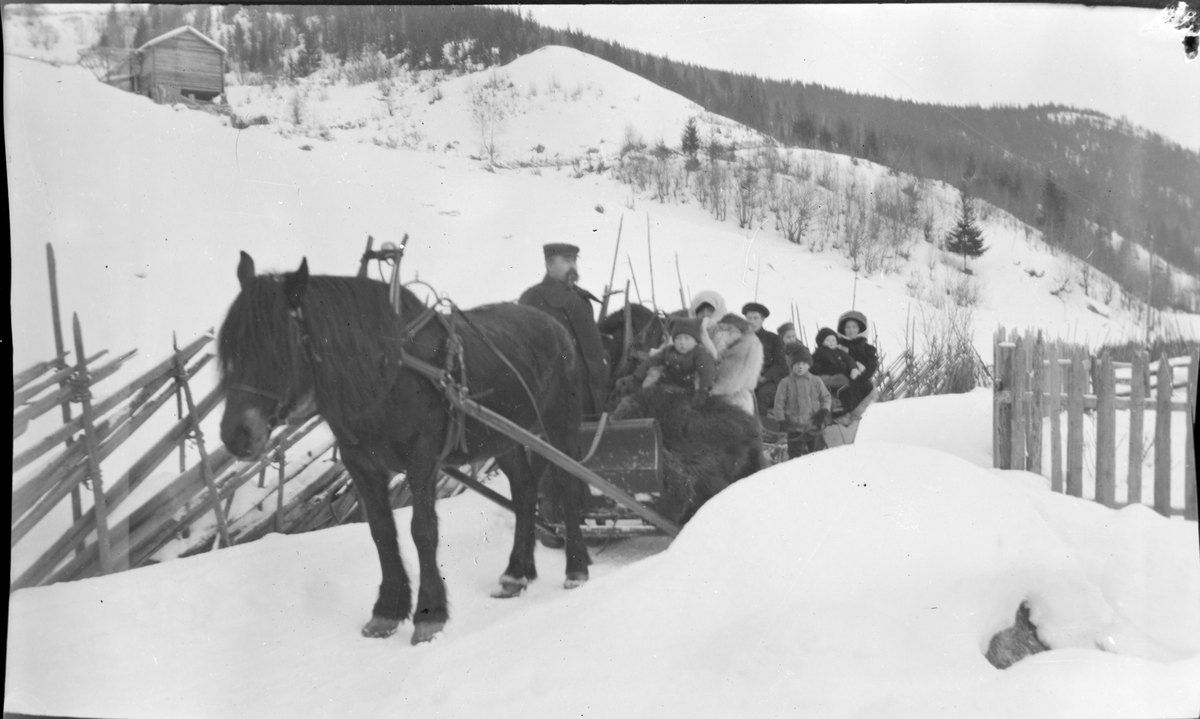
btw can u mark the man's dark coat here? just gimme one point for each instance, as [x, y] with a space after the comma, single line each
[570, 306]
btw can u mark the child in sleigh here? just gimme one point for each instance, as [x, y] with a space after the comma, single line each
[802, 403]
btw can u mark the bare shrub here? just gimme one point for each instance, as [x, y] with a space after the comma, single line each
[490, 106]
[794, 210]
[746, 195]
[718, 180]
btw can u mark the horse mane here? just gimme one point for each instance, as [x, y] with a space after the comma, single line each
[353, 338]
[640, 315]
[253, 344]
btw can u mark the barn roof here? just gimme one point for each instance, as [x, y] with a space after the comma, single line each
[180, 31]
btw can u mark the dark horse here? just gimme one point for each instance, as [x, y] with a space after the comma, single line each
[291, 340]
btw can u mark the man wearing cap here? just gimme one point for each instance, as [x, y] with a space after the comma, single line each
[558, 296]
[774, 367]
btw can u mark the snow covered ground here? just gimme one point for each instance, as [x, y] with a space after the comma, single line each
[809, 588]
[861, 581]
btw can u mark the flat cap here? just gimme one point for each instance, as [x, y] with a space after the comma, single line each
[560, 248]
[756, 307]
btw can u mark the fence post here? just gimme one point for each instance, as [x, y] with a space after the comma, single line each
[1106, 432]
[279, 499]
[59, 349]
[214, 496]
[1137, 412]
[1019, 410]
[1001, 411]
[1189, 457]
[93, 459]
[1077, 381]
[1037, 406]
[1054, 382]
[1162, 438]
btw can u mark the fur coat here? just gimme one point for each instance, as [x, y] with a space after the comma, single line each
[740, 359]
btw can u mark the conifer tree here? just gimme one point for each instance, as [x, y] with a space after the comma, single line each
[965, 239]
[690, 144]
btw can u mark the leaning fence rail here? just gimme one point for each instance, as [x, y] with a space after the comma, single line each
[1039, 380]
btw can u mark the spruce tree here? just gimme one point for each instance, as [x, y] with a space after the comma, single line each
[690, 144]
[965, 239]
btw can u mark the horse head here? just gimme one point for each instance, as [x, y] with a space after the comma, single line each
[265, 370]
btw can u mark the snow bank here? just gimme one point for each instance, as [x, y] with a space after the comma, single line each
[859, 581]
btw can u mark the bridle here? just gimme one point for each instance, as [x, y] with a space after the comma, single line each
[283, 410]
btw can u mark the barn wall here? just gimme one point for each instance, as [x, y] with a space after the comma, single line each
[185, 62]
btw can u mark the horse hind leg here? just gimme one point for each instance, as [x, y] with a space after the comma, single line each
[571, 493]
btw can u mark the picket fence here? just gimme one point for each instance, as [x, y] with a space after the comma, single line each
[1039, 379]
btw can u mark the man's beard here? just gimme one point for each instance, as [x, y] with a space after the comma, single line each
[571, 277]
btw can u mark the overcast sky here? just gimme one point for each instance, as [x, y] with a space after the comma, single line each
[1109, 59]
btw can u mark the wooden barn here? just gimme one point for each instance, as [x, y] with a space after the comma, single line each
[179, 63]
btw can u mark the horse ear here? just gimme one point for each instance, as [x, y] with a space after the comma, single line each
[295, 284]
[245, 271]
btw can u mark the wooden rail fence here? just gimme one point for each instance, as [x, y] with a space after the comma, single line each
[1039, 379]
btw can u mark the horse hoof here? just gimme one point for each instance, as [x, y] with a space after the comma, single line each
[510, 587]
[574, 580]
[380, 628]
[426, 631]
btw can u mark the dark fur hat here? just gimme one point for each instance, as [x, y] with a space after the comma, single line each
[796, 352]
[784, 328]
[823, 333]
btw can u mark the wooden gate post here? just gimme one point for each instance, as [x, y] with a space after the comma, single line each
[1001, 409]
[1137, 411]
[1037, 406]
[1075, 390]
[1106, 432]
[1189, 457]
[1162, 438]
[1054, 381]
[1019, 411]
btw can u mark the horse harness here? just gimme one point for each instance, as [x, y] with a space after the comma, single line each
[455, 391]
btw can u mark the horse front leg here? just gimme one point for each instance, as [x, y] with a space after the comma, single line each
[394, 604]
[431, 613]
[521, 569]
